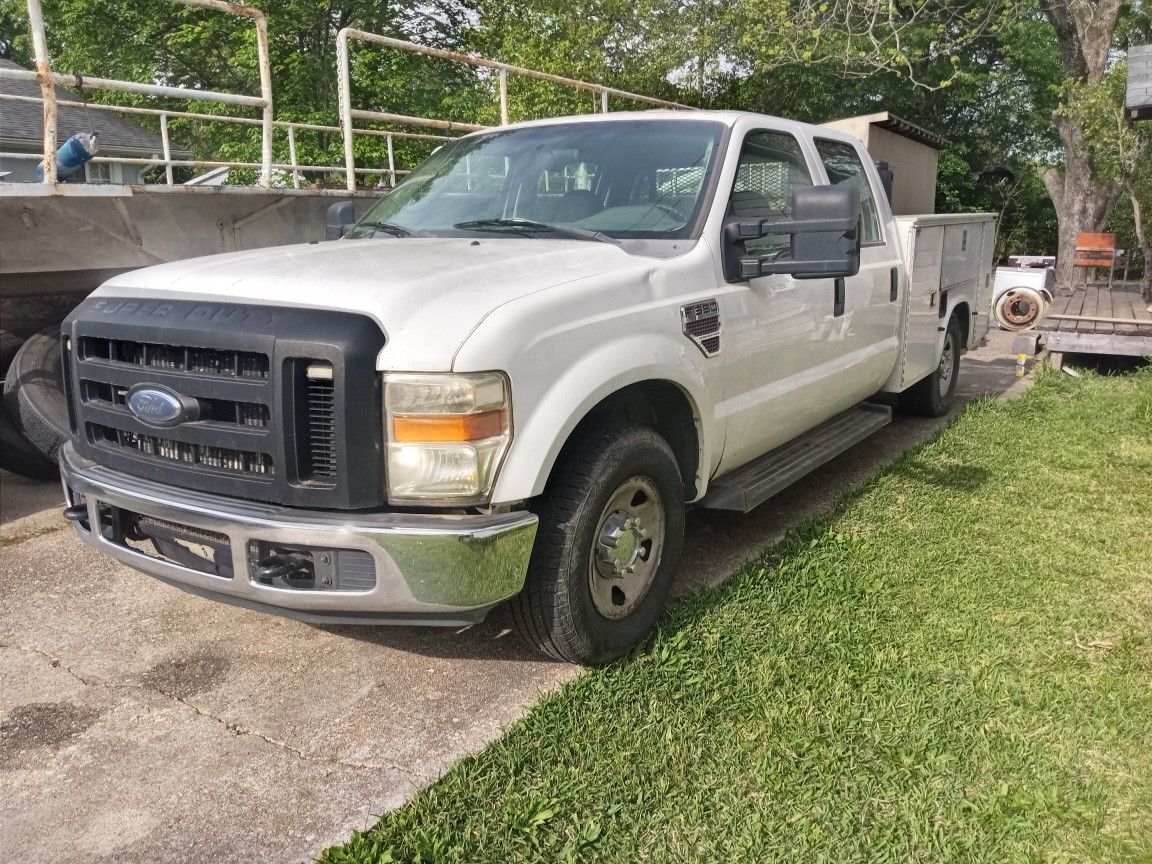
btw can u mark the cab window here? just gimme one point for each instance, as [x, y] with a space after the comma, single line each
[843, 165]
[771, 165]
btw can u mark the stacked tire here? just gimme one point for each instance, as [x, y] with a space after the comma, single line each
[33, 411]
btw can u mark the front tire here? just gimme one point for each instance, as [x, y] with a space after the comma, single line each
[932, 396]
[610, 535]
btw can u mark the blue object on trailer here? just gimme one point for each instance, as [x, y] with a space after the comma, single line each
[72, 155]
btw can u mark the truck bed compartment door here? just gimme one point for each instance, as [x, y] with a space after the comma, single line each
[922, 325]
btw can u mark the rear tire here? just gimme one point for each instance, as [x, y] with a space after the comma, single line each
[932, 396]
[610, 535]
[34, 411]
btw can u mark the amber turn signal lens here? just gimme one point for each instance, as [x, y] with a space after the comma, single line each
[437, 428]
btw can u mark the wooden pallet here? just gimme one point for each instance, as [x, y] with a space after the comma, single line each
[1099, 319]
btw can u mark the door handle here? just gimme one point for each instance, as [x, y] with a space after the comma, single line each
[894, 284]
[838, 299]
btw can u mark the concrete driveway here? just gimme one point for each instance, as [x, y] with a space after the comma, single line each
[141, 724]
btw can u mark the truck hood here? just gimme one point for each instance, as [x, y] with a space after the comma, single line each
[427, 294]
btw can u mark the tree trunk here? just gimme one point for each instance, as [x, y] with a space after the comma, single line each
[1084, 31]
[1081, 200]
[1146, 280]
[1145, 247]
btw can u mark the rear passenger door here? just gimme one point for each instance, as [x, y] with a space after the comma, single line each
[869, 314]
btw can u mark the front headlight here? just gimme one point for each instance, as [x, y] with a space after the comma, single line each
[446, 435]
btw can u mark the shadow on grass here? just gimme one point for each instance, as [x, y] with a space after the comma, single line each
[956, 478]
[1106, 364]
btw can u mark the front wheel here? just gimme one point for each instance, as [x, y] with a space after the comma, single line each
[932, 396]
[610, 535]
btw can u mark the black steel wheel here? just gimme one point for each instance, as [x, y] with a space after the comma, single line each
[610, 535]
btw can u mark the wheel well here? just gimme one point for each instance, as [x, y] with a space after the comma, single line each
[963, 316]
[663, 407]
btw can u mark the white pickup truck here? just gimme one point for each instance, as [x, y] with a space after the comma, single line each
[510, 380]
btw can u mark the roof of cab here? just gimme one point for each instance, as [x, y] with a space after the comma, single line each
[728, 118]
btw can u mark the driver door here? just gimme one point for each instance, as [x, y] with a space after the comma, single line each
[777, 330]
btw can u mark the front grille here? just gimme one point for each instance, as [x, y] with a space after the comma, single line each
[230, 389]
[277, 405]
[226, 411]
[219, 458]
[178, 358]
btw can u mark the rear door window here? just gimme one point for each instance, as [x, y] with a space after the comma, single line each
[843, 165]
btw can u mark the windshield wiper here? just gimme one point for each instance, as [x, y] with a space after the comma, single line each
[392, 228]
[529, 228]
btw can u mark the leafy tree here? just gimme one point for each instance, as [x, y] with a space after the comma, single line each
[633, 46]
[921, 41]
[1121, 154]
[1085, 32]
[994, 110]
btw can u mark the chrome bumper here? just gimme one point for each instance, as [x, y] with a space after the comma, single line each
[430, 569]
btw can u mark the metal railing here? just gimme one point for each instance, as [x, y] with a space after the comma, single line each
[292, 166]
[348, 113]
[49, 79]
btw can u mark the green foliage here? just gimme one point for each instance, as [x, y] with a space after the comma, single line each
[1121, 151]
[859, 38]
[635, 46]
[996, 114]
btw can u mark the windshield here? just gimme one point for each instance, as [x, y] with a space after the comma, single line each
[616, 179]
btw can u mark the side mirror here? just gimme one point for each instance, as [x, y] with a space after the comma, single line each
[824, 234]
[341, 217]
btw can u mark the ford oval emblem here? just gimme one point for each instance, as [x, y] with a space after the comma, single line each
[156, 406]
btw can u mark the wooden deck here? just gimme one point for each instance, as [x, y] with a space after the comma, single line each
[1099, 319]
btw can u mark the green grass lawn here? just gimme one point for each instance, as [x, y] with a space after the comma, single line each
[956, 665]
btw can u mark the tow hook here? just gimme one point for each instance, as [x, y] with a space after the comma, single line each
[289, 569]
[77, 513]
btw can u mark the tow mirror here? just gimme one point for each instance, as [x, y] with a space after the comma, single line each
[341, 218]
[824, 234]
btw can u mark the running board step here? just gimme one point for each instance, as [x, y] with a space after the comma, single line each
[756, 482]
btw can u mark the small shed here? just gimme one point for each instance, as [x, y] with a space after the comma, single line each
[912, 154]
[1138, 99]
[22, 136]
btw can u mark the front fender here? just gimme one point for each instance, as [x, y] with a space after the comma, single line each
[548, 407]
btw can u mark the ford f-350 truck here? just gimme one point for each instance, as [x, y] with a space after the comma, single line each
[510, 380]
